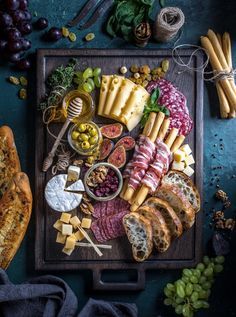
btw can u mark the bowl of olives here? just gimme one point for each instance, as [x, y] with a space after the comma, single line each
[84, 137]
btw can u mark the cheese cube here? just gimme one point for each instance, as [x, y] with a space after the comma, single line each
[60, 238]
[178, 166]
[67, 229]
[179, 156]
[186, 149]
[65, 217]
[86, 223]
[70, 242]
[189, 160]
[75, 221]
[67, 251]
[188, 171]
[73, 173]
[58, 225]
[79, 235]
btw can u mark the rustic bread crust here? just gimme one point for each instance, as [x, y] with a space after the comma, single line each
[172, 220]
[9, 160]
[15, 212]
[187, 187]
[160, 232]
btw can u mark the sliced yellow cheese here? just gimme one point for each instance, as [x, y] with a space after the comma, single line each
[186, 149]
[79, 235]
[65, 217]
[67, 229]
[188, 171]
[106, 80]
[58, 225]
[70, 242]
[114, 87]
[179, 156]
[67, 251]
[121, 98]
[86, 223]
[75, 222]
[189, 160]
[61, 238]
[178, 166]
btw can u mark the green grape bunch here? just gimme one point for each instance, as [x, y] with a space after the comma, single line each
[191, 292]
[89, 79]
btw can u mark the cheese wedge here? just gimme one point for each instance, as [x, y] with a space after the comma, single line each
[188, 171]
[106, 80]
[178, 166]
[189, 160]
[179, 156]
[73, 173]
[186, 148]
[114, 87]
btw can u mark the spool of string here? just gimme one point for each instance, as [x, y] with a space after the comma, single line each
[168, 22]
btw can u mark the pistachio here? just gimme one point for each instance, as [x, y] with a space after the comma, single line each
[14, 80]
[165, 65]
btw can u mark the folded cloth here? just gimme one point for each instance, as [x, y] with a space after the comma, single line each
[100, 308]
[46, 296]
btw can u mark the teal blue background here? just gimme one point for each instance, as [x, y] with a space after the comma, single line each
[200, 15]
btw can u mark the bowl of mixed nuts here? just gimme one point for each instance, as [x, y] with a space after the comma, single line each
[103, 181]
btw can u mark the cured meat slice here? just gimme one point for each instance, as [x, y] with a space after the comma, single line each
[107, 208]
[176, 102]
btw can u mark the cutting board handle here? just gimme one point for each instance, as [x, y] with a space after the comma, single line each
[99, 284]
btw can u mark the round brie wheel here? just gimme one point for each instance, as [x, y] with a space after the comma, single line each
[57, 198]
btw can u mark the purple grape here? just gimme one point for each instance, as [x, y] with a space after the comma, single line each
[23, 64]
[5, 20]
[12, 4]
[18, 16]
[26, 44]
[54, 34]
[28, 16]
[41, 23]
[13, 34]
[14, 57]
[23, 4]
[3, 45]
[14, 46]
[25, 27]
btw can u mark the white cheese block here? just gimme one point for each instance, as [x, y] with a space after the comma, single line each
[179, 156]
[106, 80]
[67, 229]
[73, 173]
[188, 171]
[186, 148]
[61, 238]
[57, 198]
[178, 166]
[76, 187]
[189, 160]
[112, 93]
[67, 251]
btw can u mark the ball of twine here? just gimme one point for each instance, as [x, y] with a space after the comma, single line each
[167, 24]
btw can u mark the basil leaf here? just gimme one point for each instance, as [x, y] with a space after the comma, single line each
[162, 3]
[110, 29]
[155, 95]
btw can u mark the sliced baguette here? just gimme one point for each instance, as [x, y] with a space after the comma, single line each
[139, 233]
[182, 207]
[15, 211]
[160, 232]
[186, 186]
[9, 160]
[172, 220]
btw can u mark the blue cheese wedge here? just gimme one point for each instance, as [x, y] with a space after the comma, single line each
[73, 173]
[59, 199]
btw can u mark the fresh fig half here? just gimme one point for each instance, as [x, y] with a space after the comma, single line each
[112, 131]
[105, 149]
[118, 157]
[127, 141]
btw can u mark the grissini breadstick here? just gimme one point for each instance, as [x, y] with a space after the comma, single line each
[156, 127]
[149, 124]
[219, 38]
[205, 42]
[124, 188]
[163, 130]
[171, 137]
[177, 143]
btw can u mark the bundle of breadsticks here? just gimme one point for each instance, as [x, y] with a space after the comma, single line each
[156, 128]
[218, 49]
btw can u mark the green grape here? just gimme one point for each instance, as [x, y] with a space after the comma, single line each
[187, 272]
[97, 81]
[197, 287]
[185, 279]
[197, 304]
[211, 265]
[208, 272]
[203, 294]
[200, 267]
[206, 260]
[180, 291]
[218, 268]
[170, 287]
[205, 304]
[167, 292]
[186, 310]
[87, 87]
[194, 297]
[173, 304]
[181, 282]
[189, 289]
[179, 309]
[202, 279]
[211, 279]
[206, 285]
[97, 71]
[78, 79]
[194, 279]
[220, 259]
[179, 300]
[197, 273]
[168, 301]
[91, 82]
[88, 73]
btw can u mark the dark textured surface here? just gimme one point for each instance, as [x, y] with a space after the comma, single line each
[200, 15]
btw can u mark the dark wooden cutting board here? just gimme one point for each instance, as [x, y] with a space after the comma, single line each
[185, 251]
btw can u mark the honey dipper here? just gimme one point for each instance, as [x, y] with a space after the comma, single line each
[74, 110]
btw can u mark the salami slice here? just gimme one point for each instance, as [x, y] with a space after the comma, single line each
[107, 208]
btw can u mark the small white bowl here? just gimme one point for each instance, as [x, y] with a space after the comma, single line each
[106, 198]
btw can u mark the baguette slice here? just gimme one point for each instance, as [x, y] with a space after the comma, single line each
[182, 207]
[15, 211]
[172, 220]
[160, 232]
[186, 186]
[9, 160]
[139, 233]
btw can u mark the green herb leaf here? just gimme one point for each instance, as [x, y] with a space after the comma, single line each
[162, 3]
[155, 95]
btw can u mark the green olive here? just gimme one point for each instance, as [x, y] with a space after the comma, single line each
[78, 145]
[75, 135]
[93, 140]
[93, 131]
[85, 145]
[82, 127]
[84, 137]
